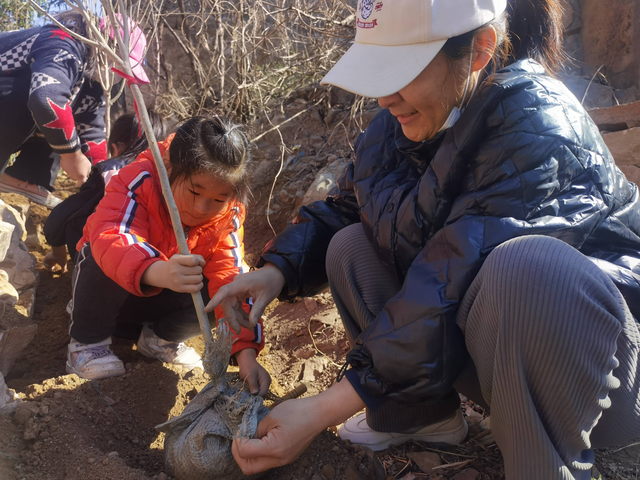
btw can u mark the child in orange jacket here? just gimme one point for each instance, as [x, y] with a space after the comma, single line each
[129, 273]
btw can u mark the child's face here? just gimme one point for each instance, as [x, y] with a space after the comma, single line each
[200, 198]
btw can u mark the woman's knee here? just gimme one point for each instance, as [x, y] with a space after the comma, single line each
[541, 279]
[344, 248]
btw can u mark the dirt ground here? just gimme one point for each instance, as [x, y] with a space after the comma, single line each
[73, 429]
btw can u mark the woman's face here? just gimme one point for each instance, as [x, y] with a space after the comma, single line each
[423, 106]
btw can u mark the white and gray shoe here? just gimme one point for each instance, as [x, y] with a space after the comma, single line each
[150, 345]
[450, 431]
[93, 361]
[42, 197]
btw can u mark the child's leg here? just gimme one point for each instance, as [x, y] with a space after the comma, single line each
[97, 301]
[167, 320]
[171, 315]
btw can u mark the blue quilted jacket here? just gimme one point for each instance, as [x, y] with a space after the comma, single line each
[524, 159]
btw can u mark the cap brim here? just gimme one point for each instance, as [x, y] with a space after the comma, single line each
[139, 73]
[377, 71]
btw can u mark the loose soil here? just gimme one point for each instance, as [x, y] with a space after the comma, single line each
[73, 429]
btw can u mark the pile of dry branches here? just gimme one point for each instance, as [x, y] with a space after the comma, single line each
[241, 57]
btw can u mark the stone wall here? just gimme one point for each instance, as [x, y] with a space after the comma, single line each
[603, 35]
[17, 291]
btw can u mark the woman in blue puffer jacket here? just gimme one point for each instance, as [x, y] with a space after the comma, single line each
[483, 242]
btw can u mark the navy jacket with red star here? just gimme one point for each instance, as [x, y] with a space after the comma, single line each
[67, 107]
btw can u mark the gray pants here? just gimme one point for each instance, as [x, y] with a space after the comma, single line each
[553, 345]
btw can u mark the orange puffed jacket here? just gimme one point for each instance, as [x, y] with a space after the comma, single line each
[131, 229]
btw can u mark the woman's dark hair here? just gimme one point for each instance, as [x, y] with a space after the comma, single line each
[75, 22]
[126, 128]
[528, 29]
[213, 145]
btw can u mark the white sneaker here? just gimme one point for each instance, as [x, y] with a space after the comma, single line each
[451, 431]
[150, 345]
[93, 361]
[43, 196]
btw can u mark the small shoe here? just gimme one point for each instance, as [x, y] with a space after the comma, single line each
[150, 345]
[42, 196]
[93, 361]
[450, 431]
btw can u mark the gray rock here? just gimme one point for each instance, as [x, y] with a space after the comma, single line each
[426, 460]
[13, 340]
[14, 217]
[598, 96]
[19, 202]
[6, 232]
[8, 294]
[312, 368]
[325, 180]
[9, 401]
[19, 265]
[26, 302]
[310, 304]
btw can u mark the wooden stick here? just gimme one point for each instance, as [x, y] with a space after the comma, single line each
[296, 392]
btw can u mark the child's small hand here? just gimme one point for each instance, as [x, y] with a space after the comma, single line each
[181, 273]
[57, 256]
[252, 372]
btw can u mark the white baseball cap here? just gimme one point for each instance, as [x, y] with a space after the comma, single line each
[397, 39]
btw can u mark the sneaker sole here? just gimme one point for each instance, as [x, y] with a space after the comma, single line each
[98, 373]
[438, 439]
[188, 366]
[30, 195]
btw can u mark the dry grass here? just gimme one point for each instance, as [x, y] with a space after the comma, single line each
[242, 58]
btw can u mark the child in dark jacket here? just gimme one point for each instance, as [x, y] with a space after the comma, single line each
[52, 106]
[64, 226]
[129, 271]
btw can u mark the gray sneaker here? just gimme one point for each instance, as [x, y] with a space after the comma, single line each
[150, 345]
[93, 361]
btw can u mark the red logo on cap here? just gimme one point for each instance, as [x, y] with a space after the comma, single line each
[367, 24]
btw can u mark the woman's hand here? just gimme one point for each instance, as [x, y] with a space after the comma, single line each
[76, 165]
[263, 285]
[57, 256]
[252, 372]
[181, 273]
[288, 430]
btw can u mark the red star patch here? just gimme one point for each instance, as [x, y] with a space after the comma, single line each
[61, 33]
[97, 151]
[64, 119]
